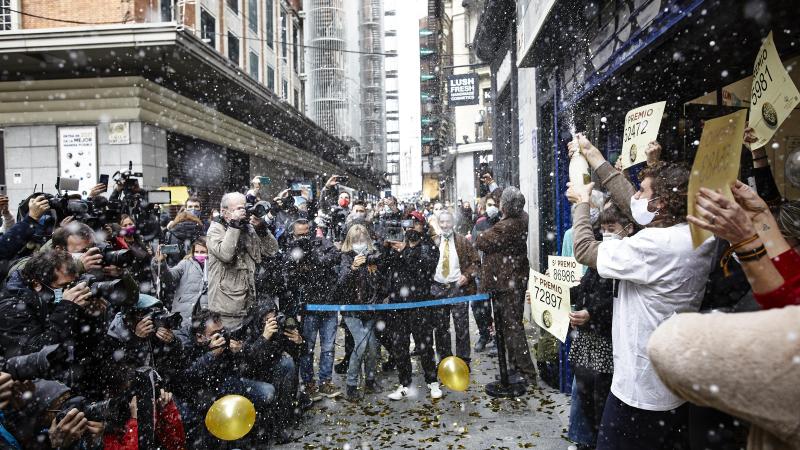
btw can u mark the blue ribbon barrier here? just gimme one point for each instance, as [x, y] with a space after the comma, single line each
[394, 306]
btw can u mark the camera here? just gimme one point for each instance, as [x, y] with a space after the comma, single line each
[258, 209]
[113, 410]
[285, 322]
[39, 364]
[123, 292]
[163, 319]
[394, 230]
[111, 257]
[237, 334]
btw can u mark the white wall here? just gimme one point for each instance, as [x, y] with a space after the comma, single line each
[528, 161]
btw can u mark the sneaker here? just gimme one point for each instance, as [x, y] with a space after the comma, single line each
[400, 393]
[311, 389]
[481, 344]
[371, 387]
[329, 389]
[352, 393]
[435, 391]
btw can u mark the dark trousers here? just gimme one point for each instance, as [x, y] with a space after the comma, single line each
[403, 325]
[482, 311]
[441, 323]
[624, 427]
[710, 429]
[509, 306]
[593, 388]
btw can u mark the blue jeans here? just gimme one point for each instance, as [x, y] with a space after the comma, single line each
[580, 431]
[325, 324]
[366, 344]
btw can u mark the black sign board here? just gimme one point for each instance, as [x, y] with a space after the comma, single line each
[462, 89]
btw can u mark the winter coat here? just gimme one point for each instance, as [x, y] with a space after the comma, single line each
[468, 261]
[182, 234]
[410, 272]
[169, 432]
[310, 279]
[261, 355]
[505, 255]
[363, 286]
[16, 238]
[188, 283]
[25, 318]
[233, 255]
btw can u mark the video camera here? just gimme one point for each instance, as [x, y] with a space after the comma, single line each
[139, 204]
[121, 293]
[394, 230]
[39, 364]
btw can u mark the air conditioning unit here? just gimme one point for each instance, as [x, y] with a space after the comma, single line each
[303, 76]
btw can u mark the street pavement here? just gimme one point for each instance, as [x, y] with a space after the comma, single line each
[460, 420]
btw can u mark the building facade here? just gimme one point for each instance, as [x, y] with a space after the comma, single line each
[205, 99]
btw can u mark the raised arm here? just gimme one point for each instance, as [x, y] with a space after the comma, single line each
[585, 245]
[611, 179]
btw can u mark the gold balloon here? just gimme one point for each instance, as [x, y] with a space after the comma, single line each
[454, 373]
[231, 417]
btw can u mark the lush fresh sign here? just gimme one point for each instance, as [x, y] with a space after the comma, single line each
[462, 89]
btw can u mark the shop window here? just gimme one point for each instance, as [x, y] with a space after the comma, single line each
[254, 65]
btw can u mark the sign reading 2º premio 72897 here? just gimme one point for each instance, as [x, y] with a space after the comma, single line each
[462, 89]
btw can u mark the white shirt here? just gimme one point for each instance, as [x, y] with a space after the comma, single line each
[455, 267]
[660, 275]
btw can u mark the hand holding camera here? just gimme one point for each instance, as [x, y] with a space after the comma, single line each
[218, 344]
[92, 259]
[165, 335]
[38, 206]
[270, 328]
[80, 294]
[144, 328]
[68, 430]
[358, 261]
[293, 335]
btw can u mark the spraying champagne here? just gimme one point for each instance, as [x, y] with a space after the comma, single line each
[578, 168]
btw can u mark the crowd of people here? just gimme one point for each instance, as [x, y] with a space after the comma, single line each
[116, 310]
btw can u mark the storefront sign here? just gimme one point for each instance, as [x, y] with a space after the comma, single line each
[77, 155]
[773, 95]
[641, 128]
[550, 306]
[716, 165]
[565, 269]
[462, 89]
[178, 194]
[119, 133]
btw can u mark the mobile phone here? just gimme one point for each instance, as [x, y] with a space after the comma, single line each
[296, 193]
[342, 179]
[3, 189]
[265, 180]
[170, 249]
[104, 178]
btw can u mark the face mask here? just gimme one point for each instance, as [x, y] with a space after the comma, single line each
[492, 211]
[200, 258]
[447, 233]
[129, 231]
[639, 210]
[76, 256]
[343, 202]
[361, 248]
[194, 212]
[49, 294]
[413, 235]
[594, 215]
[611, 237]
[215, 215]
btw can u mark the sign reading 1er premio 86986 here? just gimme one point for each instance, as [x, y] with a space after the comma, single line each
[641, 128]
[550, 305]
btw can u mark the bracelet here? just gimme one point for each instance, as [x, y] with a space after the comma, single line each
[745, 242]
[754, 253]
[726, 257]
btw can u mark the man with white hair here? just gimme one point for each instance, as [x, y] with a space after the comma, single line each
[235, 246]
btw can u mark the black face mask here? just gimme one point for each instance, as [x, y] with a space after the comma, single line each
[413, 235]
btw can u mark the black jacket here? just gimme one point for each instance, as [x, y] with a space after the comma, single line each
[596, 295]
[310, 278]
[182, 234]
[410, 272]
[363, 286]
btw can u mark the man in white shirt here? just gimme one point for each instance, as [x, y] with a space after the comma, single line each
[660, 273]
[454, 277]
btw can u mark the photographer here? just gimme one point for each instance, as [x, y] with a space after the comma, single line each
[309, 271]
[143, 336]
[235, 246]
[127, 237]
[187, 282]
[16, 237]
[168, 432]
[182, 231]
[215, 368]
[411, 265]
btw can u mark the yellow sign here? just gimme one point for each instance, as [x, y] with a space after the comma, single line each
[550, 305]
[641, 128]
[564, 269]
[716, 164]
[773, 95]
[179, 194]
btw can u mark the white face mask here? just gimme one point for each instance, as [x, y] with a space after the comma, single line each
[492, 211]
[611, 237]
[360, 248]
[639, 210]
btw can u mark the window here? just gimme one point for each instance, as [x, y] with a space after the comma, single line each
[271, 78]
[296, 52]
[6, 16]
[254, 65]
[233, 48]
[252, 15]
[233, 5]
[208, 28]
[297, 99]
[166, 10]
[285, 90]
[283, 35]
[269, 28]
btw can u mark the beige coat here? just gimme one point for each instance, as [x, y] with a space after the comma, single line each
[744, 364]
[232, 258]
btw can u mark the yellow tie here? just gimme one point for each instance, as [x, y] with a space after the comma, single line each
[446, 258]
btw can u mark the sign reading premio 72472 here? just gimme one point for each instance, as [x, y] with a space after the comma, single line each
[641, 127]
[462, 90]
[550, 305]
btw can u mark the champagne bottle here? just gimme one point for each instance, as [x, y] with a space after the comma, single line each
[579, 170]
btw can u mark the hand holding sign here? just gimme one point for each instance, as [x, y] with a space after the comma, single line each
[641, 129]
[773, 95]
[550, 304]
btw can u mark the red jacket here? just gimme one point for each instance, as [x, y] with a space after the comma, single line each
[788, 264]
[169, 432]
